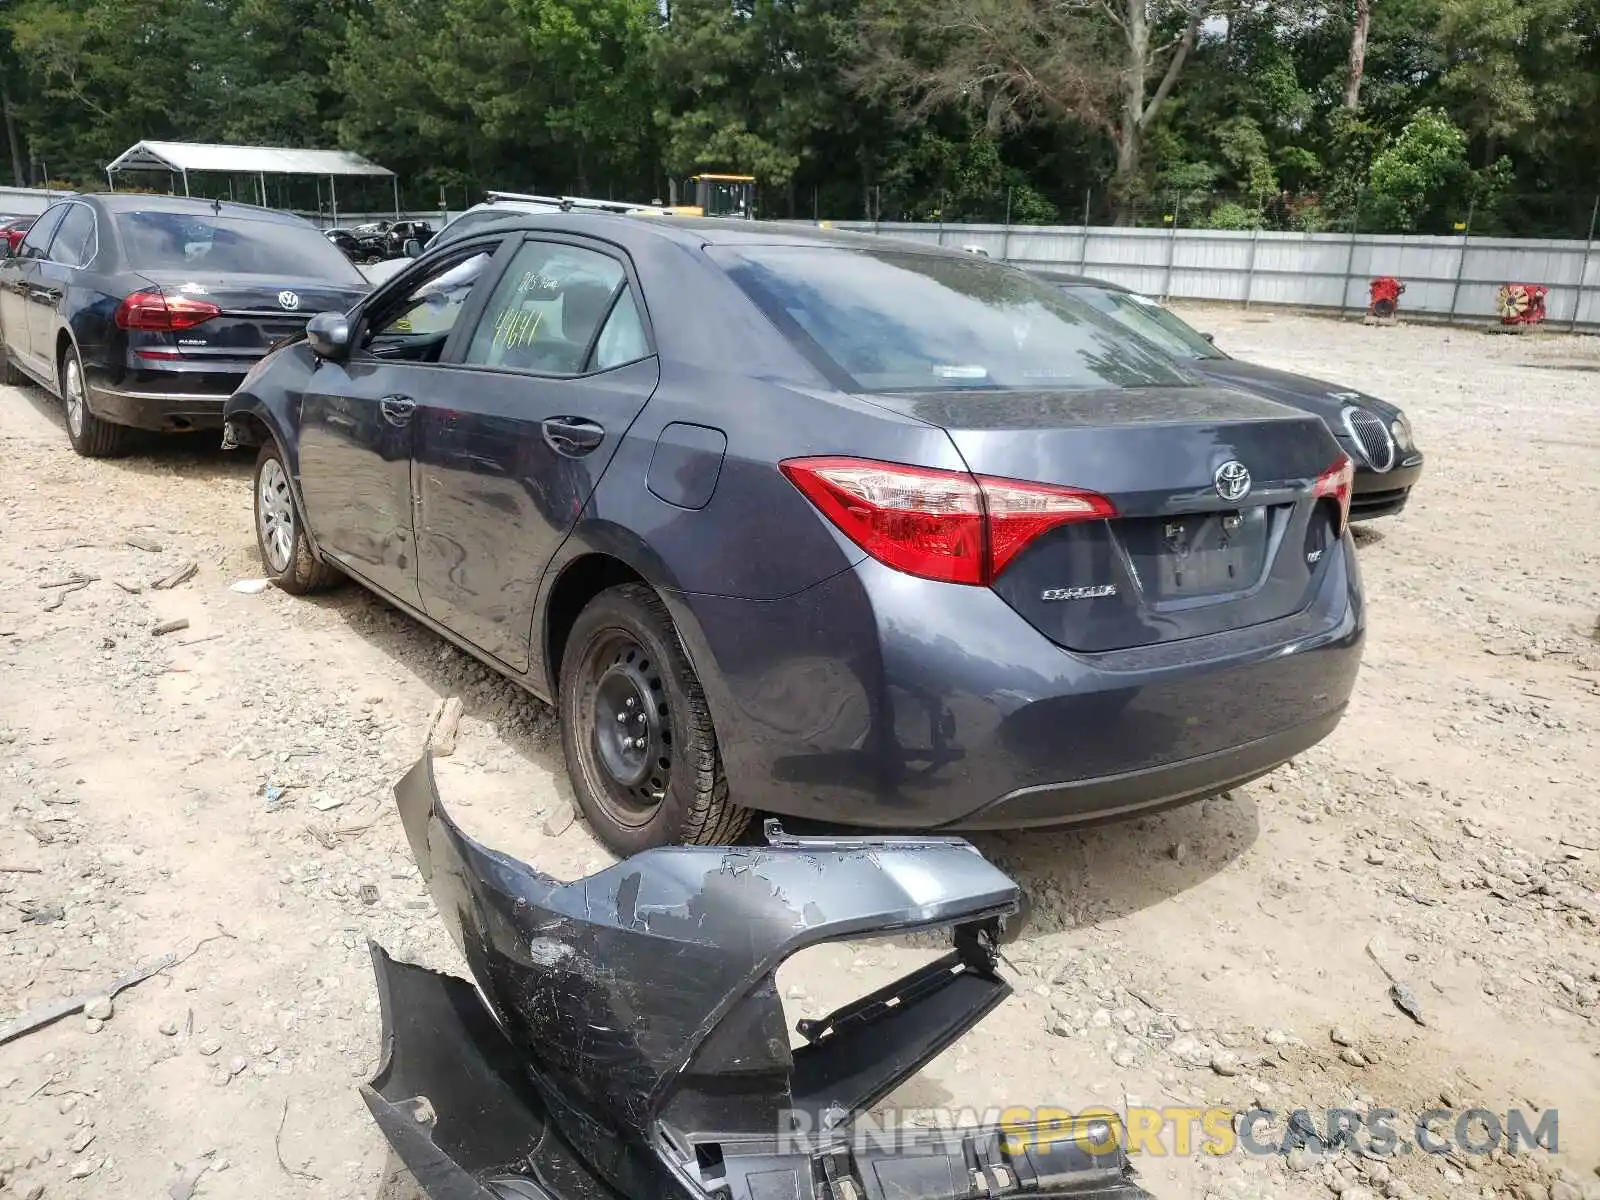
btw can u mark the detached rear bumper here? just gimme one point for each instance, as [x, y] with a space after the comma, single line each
[636, 1046]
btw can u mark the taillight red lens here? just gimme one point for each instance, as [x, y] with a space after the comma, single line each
[920, 521]
[945, 525]
[1020, 512]
[153, 312]
[1336, 484]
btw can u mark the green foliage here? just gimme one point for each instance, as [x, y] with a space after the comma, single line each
[1419, 169]
[1229, 215]
[851, 108]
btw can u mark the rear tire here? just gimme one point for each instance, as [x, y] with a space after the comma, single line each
[286, 554]
[90, 436]
[640, 748]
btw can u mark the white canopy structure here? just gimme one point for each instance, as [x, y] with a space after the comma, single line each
[180, 158]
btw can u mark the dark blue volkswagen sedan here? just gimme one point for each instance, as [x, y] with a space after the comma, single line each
[144, 312]
[791, 521]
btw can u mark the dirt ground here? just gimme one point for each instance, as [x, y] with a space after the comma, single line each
[230, 781]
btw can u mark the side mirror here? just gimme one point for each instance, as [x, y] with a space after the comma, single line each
[1210, 337]
[328, 335]
[413, 248]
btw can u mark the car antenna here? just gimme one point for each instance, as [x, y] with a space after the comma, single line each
[216, 205]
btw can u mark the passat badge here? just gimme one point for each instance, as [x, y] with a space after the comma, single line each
[1232, 480]
[289, 300]
[1079, 593]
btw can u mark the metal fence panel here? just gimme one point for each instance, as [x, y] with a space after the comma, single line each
[1457, 276]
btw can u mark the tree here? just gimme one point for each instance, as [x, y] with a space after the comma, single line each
[551, 94]
[1022, 62]
[1419, 168]
[1358, 54]
[108, 73]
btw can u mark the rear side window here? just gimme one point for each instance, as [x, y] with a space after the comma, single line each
[38, 239]
[74, 240]
[176, 241]
[548, 311]
[622, 340]
[889, 320]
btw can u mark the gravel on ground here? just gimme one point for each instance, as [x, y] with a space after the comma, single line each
[221, 792]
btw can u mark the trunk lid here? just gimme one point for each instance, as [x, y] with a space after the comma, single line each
[1189, 553]
[257, 310]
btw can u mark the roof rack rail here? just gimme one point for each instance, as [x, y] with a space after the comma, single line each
[568, 203]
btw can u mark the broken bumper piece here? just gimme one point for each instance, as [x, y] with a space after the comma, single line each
[626, 1041]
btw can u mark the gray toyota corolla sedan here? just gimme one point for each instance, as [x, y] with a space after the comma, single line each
[814, 524]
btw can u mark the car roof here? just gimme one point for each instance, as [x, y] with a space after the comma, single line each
[626, 228]
[116, 202]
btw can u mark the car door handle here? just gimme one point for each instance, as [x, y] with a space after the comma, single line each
[397, 410]
[572, 436]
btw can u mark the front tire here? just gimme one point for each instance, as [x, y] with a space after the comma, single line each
[640, 748]
[90, 436]
[10, 374]
[286, 554]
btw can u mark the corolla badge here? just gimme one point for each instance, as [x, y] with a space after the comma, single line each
[289, 300]
[1096, 592]
[1232, 480]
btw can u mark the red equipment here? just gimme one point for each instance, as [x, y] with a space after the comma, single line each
[1384, 296]
[14, 230]
[1522, 303]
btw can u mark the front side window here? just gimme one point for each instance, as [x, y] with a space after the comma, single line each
[892, 320]
[548, 312]
[429, 311]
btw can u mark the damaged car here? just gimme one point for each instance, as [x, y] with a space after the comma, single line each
[623, 1035]
[786, 519]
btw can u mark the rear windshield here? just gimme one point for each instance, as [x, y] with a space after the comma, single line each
[1148, 319]
[170, 241]
[891, 320]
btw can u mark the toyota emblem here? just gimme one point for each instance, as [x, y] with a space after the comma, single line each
[290, 300]
[1233, 480]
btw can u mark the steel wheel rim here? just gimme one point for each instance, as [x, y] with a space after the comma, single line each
[627, 730]
[72, 393]
[275, 516]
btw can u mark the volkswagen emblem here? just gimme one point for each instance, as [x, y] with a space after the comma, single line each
[1232, 480]
[292, 301]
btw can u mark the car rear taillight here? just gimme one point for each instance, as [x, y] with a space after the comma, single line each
[153, 312]
[1336, 484]
[945, 525]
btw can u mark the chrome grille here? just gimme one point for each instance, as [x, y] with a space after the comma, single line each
[1372, 435]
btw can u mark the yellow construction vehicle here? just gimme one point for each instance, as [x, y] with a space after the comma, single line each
[715, 196]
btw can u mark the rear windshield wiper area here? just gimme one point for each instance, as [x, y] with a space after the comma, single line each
[624, 1038]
